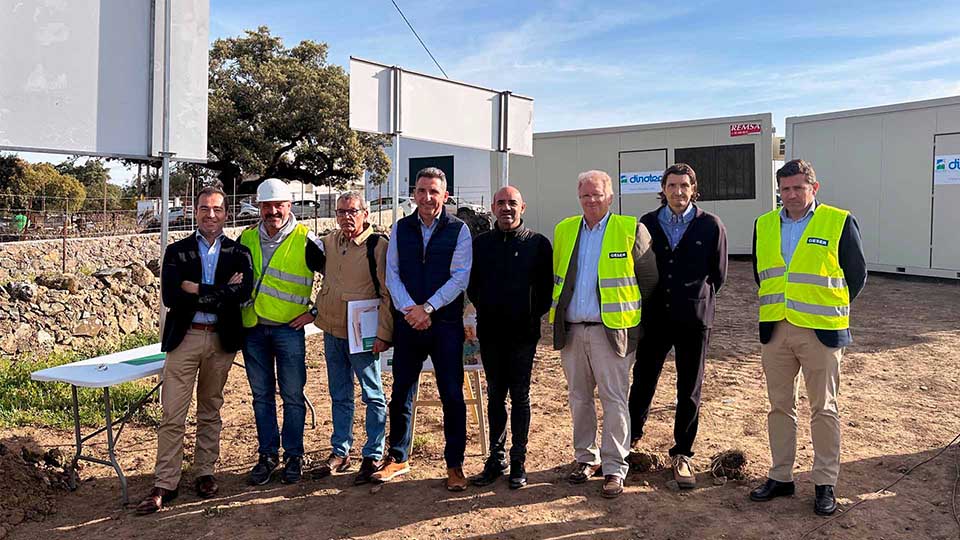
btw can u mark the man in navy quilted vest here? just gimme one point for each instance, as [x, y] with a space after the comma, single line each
[428, 269]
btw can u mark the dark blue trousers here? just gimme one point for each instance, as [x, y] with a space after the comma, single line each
[443, 342]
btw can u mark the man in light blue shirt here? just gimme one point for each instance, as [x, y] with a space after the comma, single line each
[585, 304]
[209, 255]
[428, 268]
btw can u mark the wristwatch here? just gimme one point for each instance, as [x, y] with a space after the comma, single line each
[427, 308]
[314, 311]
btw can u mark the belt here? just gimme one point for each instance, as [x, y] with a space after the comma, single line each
[202, 326]
[587, 323]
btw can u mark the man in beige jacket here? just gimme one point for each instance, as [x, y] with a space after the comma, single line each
[355, 270]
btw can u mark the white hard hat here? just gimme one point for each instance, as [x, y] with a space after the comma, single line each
[273, 189]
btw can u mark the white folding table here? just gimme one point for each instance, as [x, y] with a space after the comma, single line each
[104, 372]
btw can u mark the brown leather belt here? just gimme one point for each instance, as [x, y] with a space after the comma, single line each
[201, 326]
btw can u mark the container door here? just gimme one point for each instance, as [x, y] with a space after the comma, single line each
[640, 172]
[945, 248]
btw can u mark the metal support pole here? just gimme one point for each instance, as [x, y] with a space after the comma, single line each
[396, 177]
[111, 446]
[504, 169]
[165, 154]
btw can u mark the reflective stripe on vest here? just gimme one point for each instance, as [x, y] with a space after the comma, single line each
[812, 292]
[619, 293]
[287, 283]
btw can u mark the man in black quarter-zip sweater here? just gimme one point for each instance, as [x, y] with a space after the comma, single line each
[510, 286]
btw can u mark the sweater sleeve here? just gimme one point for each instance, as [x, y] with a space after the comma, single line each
[852, 260]
[645, 262]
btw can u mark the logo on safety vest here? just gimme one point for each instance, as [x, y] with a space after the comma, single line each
[818, 241]
[618, 254]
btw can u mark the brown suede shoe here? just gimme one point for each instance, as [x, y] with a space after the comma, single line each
[155, 500]
[456, 481]
[612, 486]
[583, 472]
[389, 470]
[206, 486]
[683, 472]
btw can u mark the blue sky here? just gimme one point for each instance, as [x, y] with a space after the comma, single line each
[593, 64]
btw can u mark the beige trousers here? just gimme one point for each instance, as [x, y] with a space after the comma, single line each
[199, 358]
[793, 349]
[589, 363]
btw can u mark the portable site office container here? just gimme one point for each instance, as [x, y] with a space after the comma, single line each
[732, 158]
[897, 169]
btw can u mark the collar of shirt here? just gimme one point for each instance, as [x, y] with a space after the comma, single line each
[599, 226]
[785, 218]
[203, 239]
[432, 224]
[512, 232]
[667, 215]
[358, 239]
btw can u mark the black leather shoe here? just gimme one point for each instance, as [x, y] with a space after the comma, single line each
[518, 475]
[292, 469]
[263, 470]
[492, 470]
[826, 502]
[772, 489]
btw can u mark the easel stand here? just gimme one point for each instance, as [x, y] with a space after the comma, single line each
[473, 397]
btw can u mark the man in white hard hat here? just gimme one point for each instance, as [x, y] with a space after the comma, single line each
[285, 257]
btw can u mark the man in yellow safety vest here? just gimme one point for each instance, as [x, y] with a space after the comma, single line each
[808, 261]
[603, 267]
[285, 256]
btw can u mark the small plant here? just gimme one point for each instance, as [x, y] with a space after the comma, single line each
[420, 443]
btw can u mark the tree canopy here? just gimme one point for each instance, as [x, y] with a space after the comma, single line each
[96, 181]
[38, 185]
[283, 112]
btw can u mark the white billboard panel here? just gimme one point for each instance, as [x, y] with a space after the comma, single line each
[76, 77]
[436, 110]
[370, 97]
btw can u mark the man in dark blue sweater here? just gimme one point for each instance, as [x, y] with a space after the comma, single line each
[691, 249]
[428, 268]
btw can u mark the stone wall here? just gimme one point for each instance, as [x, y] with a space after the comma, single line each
[111, 289]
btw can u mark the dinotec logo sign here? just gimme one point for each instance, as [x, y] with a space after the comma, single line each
[640, 182]
[946, 169]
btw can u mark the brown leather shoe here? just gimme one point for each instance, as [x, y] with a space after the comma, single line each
[612, 486]
[331, 464]
[206, 486]
[389, 470]
[456, 481]
[367, 467]
[155, 500]
[582, 472]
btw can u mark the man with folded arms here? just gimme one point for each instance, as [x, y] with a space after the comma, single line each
[204, 279]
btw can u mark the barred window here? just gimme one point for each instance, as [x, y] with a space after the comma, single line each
[723, 172]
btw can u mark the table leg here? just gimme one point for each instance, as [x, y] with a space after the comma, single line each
[413, 416]
[313, 413]
[72, 475]
[481, 413]
[110, 446]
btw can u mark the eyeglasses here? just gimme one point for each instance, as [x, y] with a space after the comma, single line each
[352, 212]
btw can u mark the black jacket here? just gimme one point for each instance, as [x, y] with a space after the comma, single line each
[690, 275]
[854, 266]
[511, 283]
[181, 262]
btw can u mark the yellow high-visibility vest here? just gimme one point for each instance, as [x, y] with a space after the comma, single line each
[617, 282]
[284, 288]
[812, 292]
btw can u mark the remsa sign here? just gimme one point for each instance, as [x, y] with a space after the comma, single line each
[744, 128]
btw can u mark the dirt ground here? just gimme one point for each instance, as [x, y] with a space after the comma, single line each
[900, 404]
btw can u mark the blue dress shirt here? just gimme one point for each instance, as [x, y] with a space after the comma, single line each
[673, 225]
[585, 304]
[209, 256]
[460, 266]
[792, 230]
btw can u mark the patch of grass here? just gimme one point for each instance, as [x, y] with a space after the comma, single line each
[25, 402]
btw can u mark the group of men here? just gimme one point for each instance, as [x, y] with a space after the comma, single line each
[621, 293]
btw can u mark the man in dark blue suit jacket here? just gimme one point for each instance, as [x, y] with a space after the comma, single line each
[204, 279]
[691, 249]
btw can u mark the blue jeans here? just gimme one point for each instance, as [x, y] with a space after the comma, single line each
[341, 367]
[272, 355]
[443, 342]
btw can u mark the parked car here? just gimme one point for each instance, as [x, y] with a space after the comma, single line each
[248, 210]
[454, 204]
[386, 203]
[305, 209]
